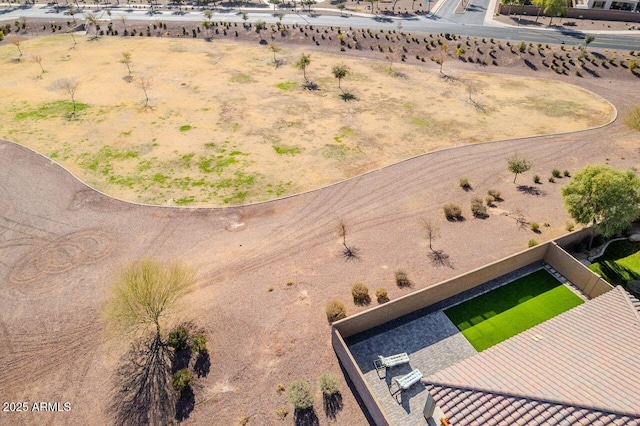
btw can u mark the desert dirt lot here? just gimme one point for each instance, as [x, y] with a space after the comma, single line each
[54, 345]
[228, 127]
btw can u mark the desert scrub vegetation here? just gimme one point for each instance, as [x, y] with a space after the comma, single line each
[360, 293]
[335, 310]
[478, 209]
[496, 194]
[632, 118]
[299, 394]
[464, 183]
[181, 380]
[535, 227]
[402, 279]
[328, 384]
[532, 243]
[452, 212]
[381, 295]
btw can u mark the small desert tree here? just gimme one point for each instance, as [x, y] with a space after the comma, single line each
[606, 198]
[126, 60]
[274, 48]
[16, 40]
[69, 86]
[38, 60]
[588, 39]
[145, 82]
[441, 56]
[517, 165]
[340, 72]
[349, 253]
[431, 230]
[302, 63]
[145, 293]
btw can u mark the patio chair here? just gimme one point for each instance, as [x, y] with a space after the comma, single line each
[390, 361]
[405, 382]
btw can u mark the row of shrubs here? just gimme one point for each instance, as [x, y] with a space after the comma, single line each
[336, 309]
[300, 395]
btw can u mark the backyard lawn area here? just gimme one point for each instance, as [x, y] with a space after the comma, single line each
[511, 309]
[619, 263]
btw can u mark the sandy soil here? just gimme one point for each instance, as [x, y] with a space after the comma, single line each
[227, 127]
[54, 346]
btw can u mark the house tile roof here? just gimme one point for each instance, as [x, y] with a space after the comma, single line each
[579, 368]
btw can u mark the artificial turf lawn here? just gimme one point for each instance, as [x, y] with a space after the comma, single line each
[508, 310]
[619, 263]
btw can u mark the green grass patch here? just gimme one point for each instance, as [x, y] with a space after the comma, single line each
[51, 110]
[101, 161]
[215, 164]
[184, 201]
[287, 85]
[496, 316]
[287, 150]
[241, 78]
[619, 263]
[632, 118]
[185, 128]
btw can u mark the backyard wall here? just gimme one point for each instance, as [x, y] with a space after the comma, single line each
[436, 293]
[583, 278]
[358, 380]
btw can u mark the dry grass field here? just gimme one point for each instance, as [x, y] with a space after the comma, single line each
[228, 127]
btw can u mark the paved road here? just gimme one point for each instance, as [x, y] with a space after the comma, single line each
[468, 24]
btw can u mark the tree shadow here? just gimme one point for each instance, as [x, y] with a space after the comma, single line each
[529, 190]
[180, 359]
[332, 405]
[143, 393]
[309, 85]
[306, 417]
[440, 258]
[530, 64]
[350, 253]
[185, 404]
[202, 364]
[348, 97]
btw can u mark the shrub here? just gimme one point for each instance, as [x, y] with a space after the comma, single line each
[552, 179]
[402, 279]
[536, 179]
[280, 387]
[464, 183]
[477, 208]
[452, 211]
[199, 343]
[290, 282]
[566, 173]
[180, 381]
[335, 311]
[569, 226]
[535, 227]
[328, 384]
[490, 200]
[282, 413]
[533, 243]
[299, 394]
[556, 173]
[495, 194]
[360, 293]
[633, 65]
[178, 338]
[381, 295]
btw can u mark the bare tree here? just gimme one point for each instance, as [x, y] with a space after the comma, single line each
[145, 82]
[16, 40]
[349, 253]
[431, 230]
[71, 32]
[38, 60]
[70, 87]
[123, 20]
[441, 56]
[273, 47]
[126, 60]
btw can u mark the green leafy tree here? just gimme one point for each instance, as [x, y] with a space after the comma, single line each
[273, 47]
[299, 394]
[340, 72]
[606, 198]
[70, 87]
[302, 63]
[517, 165]
[145, 293]
[588, 39]
[555, 8]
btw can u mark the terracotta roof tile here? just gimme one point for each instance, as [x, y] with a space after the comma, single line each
[582, 372]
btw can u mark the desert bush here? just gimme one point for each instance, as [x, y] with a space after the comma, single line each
[464, 183]
[566, 173]
[360, 293]
[199, 343]
[632, 118]
[533, 243]
[452, 211]
[536, 179]
[335, 310]
[280, 387]
[489, 200]
[299, 394]
[477, 208]
[178, 338]
[282, 413]
[181, 380]
[569, 226]
[552, 179]
[328, 384]
[402, 279]
[556, 173]
[495, 194]
[535, 227]
[381, 295]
